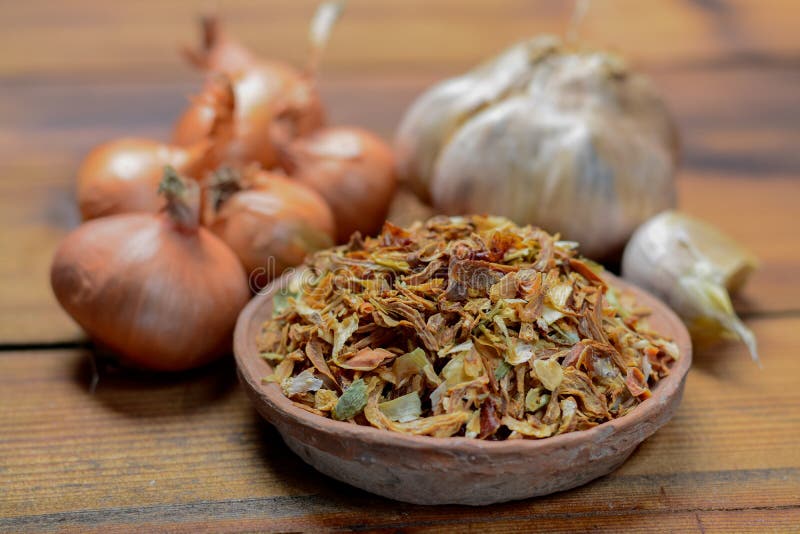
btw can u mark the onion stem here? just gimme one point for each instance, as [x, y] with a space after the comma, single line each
[183, 199]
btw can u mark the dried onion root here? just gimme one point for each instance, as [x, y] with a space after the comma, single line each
[461, 327]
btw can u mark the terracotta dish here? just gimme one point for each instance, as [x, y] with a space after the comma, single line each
[426, 470]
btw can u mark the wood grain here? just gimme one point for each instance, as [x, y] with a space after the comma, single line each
[192, 452]
[38, 210]
[45, 128]
[187, 453]
[53, 120]
[85, 36]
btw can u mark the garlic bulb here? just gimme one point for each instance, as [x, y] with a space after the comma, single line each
[693, 267]
[568, 140]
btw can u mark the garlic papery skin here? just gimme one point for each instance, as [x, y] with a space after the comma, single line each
[572, 141]
[692, 267]
[439, 112]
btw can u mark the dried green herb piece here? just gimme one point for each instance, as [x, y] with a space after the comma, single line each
[273, 357]
[281, 301]
[536, 398]
[351, 402]
[502, 370]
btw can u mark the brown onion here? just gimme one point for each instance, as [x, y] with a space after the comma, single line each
[353, 170]
[274, 101]
[122, 176]
[156, 289]
[271, 223]
[218, 51]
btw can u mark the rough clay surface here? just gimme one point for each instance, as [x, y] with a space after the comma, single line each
[424, 470]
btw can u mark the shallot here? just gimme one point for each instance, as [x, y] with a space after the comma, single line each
[157, 289]
[353, 170]
[275, 102]
[122, 176]
[268, 220]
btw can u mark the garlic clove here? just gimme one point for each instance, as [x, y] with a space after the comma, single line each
[437, 114]
[693, 267]
[731, 262]
[713, 313]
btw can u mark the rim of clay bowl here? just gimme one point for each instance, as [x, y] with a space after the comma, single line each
[247, 359]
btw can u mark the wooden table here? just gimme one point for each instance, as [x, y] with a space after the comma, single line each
[188, 453]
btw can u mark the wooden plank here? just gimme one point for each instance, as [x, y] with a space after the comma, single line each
[45, 128]
[86, 36]
[751, 130]
[188, 452]
[736, 120]
[771, 519]
[766, 520]
[35, 215]
[760, 215]
[37, 209]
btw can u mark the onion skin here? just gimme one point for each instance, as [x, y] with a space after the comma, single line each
[218, 51]
[273, 225]
[164, 298]
[274, 101]
[353, 170]
[122, 176]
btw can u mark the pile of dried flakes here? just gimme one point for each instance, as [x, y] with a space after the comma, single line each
[462, 326]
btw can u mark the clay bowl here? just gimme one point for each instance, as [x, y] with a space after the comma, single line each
[426, 470]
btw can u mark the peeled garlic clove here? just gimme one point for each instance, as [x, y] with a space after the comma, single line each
[692, 266]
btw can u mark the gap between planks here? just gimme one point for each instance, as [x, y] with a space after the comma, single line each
[566, 515]
[298, 507]
[48, 345]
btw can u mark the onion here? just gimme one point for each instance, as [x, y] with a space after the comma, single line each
[570, 140]
[157, 289]
[353, 170]
[274, 101]
[123, 175]
[271, 223]
[218, 51]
